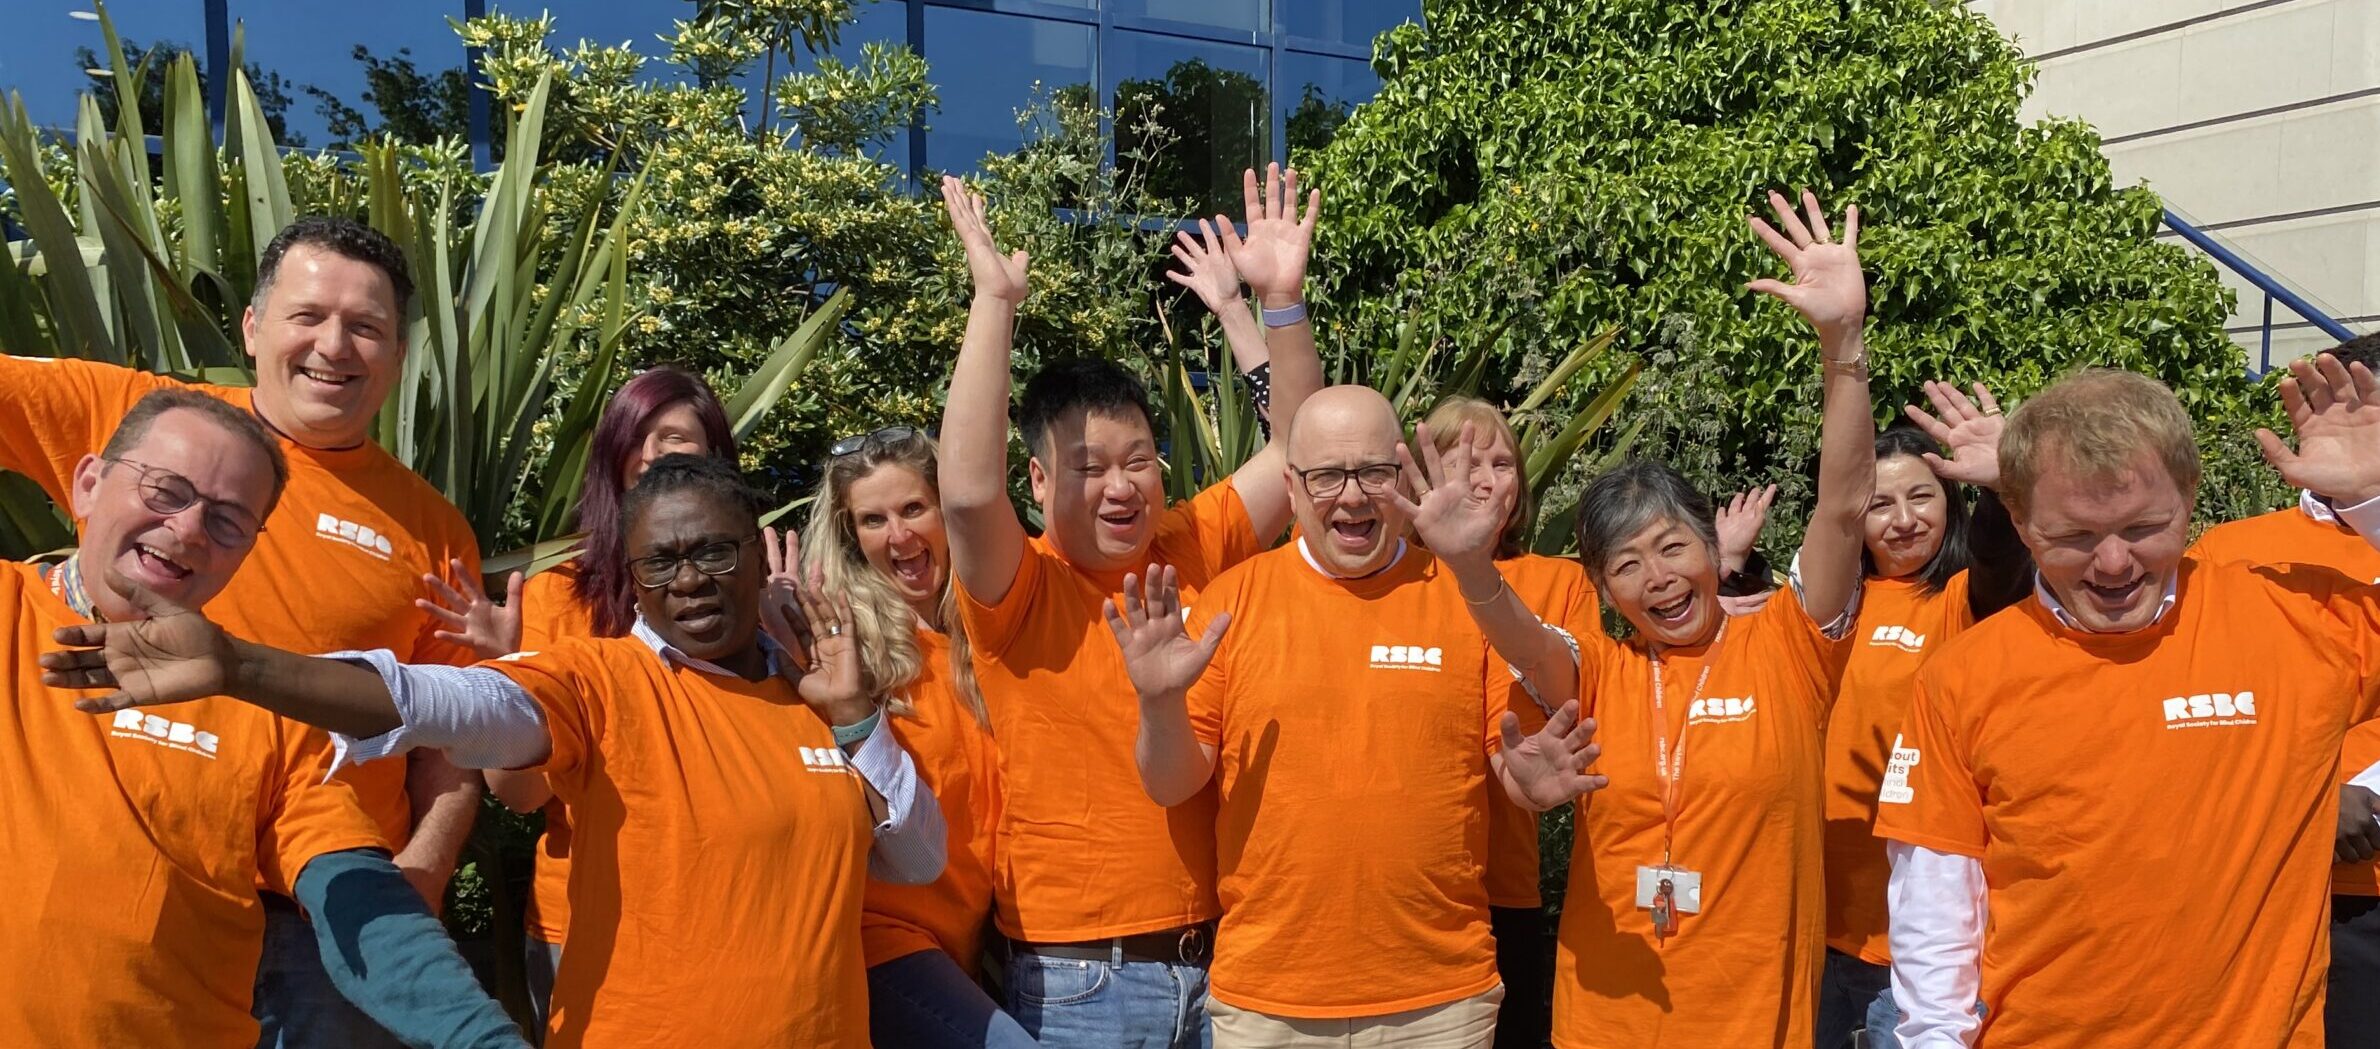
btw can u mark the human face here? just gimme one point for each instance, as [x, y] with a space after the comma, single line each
[2106, 547]
[171, 555]
[1501, 463]
[328, 344]
[1906, 518]
[1353, 531]
[674, 430]
[1100, 489]
[709, 617]
[1665, 582]
[897, 517]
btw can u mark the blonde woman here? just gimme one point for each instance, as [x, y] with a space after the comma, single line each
[877, 535]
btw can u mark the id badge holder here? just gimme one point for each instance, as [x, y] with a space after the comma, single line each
[1668, 892]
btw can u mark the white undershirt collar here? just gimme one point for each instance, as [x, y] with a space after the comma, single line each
[1308, 553]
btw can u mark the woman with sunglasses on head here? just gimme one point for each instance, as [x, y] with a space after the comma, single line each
[877, 536]
[733, 789]
[662, 411]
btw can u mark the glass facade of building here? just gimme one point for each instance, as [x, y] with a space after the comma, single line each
[1236, 83]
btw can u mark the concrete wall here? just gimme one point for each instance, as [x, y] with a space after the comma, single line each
[2257, 119]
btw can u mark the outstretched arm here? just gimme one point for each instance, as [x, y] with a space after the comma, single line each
[1272, 259]
[986, 540]
[386, 953]
[1831, 293]
[1164, 661]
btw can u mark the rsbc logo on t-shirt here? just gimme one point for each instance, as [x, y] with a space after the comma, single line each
[1899, 637]
[1408, 657]
[2210, 709]
[360, 536]
[173, 735]
[1730, 708]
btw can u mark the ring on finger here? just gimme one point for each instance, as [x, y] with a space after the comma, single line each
[834, 630]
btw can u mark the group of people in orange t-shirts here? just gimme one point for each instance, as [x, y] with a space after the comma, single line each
[1262, 768]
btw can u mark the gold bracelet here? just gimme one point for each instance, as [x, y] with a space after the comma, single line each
[1492, 595]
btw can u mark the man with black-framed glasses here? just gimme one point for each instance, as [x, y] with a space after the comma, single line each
[137, 842]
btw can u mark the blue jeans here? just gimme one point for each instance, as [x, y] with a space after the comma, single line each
[1883, 1016]
[925, 1001]
[1078, 1003]
[296, 1005]
[1847, 990]
[543, 960]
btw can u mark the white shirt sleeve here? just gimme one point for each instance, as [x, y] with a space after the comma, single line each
[2368, 779]
[476, 715]
[911, 843]
[2364, 517]
[1937, 909]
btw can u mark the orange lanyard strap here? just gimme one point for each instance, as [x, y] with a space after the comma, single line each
[1669, 764]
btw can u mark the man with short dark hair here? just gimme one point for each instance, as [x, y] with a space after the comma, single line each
[138, 841]
[1108, 898]
[341, 561]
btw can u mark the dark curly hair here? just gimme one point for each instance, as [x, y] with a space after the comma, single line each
[680, 472]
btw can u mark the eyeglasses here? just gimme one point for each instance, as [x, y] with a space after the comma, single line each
[884, 438]
[163, 491]
[712, 559]
[1325, 482]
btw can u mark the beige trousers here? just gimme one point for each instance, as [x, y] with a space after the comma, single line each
[1467, 1023]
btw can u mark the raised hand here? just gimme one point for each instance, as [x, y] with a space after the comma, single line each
[781, 609]
[1273, 257]
[833, 683]
[1458, 517]
[1828, 289]
[170, 655]
[1207, 269]
[2335, 410]
[1968, 429]
[1549, 766]
[488, 629]
[1159, 654]
[1001, 277]
[2359, 830]
[1739, 521]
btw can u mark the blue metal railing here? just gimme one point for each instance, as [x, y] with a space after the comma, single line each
[2273, 289]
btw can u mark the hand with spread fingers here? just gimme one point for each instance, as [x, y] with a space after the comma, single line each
[1968, 429]
[1272, 259]
[1828, 289]
[1739, 522]
[488, 629]
[2335, 410]
[1459, 517]
[170, 655]
[1207, 269]
[997, 276]
[1549, 766]
[814, 629]
[1160, 656]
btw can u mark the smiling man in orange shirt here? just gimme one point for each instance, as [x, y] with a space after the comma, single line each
[2130, 779]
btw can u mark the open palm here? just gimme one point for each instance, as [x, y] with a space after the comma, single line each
[2335, 410]
[1968, 429]
[1272, 258]
[1456, 517]
[172, 656]
[1550, 764]
[1159, 654]
[1828, 289]
[999, 276]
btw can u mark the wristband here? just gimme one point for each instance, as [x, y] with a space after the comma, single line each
[846, 735]
[1285, 316]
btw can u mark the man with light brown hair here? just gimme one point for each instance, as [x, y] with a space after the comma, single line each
[2132, 774]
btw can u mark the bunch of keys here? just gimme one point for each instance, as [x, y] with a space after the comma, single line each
[1665, 910]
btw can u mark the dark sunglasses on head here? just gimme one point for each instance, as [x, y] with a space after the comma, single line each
[166, 492]
[884, 438]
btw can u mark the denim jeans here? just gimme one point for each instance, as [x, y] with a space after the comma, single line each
[1847, 990]
[925, 1001]
[1078, 1003]
[543, 961]
[296, 1004]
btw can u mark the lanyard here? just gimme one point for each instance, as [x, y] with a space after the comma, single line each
[1669, 764]
[66, 581]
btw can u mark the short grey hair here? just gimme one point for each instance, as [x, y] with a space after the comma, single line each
[1627, 498]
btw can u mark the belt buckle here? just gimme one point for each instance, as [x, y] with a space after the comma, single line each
[1191, 945]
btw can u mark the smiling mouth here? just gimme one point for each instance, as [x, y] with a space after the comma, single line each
[1354, 533]
[326, 378]
[2114, 596]
[1120, 520]
[156, 561]
[1673, 613]
[916, 570]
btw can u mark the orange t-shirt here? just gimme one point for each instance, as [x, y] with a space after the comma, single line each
[339, 561]
[2154, 808]
[1083, 853]
[956, 761]
[1556, 588]
[1899, 625]
[1352, 721]
[1744, 971]
[134, 843]
[719, 844]
[550, 612]
[2293, 536]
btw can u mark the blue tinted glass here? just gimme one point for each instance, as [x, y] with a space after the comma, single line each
[1346, 21]
[1249, 15]
[325, 54]
[1209, 100]
[985, 68]
[37, 53]
[1317, 94]
[883, 22]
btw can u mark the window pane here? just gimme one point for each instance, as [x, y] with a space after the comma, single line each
[1207, 99]
[38, 52]
[985, 67]
[1317, 94]
[883, 22]
[357, 69]
[1251, 16]
[1346, 21]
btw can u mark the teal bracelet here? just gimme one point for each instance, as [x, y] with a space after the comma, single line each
[846, 735]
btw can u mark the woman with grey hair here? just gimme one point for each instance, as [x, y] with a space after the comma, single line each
[1703, 854]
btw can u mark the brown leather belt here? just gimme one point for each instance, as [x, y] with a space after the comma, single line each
[1186, 945]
